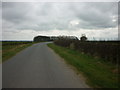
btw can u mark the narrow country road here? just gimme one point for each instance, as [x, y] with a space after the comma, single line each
[39, 67]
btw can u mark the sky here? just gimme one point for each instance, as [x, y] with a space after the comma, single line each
[25, 20]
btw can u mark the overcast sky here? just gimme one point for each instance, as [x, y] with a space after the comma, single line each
[24, 20]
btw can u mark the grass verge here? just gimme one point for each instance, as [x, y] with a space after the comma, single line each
[11, 50]
[98, 74]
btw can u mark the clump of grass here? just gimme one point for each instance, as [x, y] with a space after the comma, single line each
[98, 73]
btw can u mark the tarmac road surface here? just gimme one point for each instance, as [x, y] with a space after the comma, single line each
[39, 67]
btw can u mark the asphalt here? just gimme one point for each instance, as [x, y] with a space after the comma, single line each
[39, 67]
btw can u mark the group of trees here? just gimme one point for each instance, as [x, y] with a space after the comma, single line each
[41, 38]
[44, 38]
[53, 38]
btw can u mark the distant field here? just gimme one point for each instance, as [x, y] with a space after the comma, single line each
[10, 48]
[99, 74]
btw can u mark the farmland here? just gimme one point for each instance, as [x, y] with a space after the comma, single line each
[10, 48]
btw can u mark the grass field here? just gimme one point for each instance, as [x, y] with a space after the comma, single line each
[10, 50]
[98, 74]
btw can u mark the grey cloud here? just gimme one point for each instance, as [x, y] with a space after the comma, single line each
[48, 16]
[15, 12]
[97, 15]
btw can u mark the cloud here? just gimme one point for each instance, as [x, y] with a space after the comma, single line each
[41, 16]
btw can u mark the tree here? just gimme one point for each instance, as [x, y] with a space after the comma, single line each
[41, 38]
[83, 38]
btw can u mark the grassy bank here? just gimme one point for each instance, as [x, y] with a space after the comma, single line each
[98, 74]
[10, 50]
[0, 51]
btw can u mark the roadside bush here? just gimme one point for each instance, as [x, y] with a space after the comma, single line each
[103, 49]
